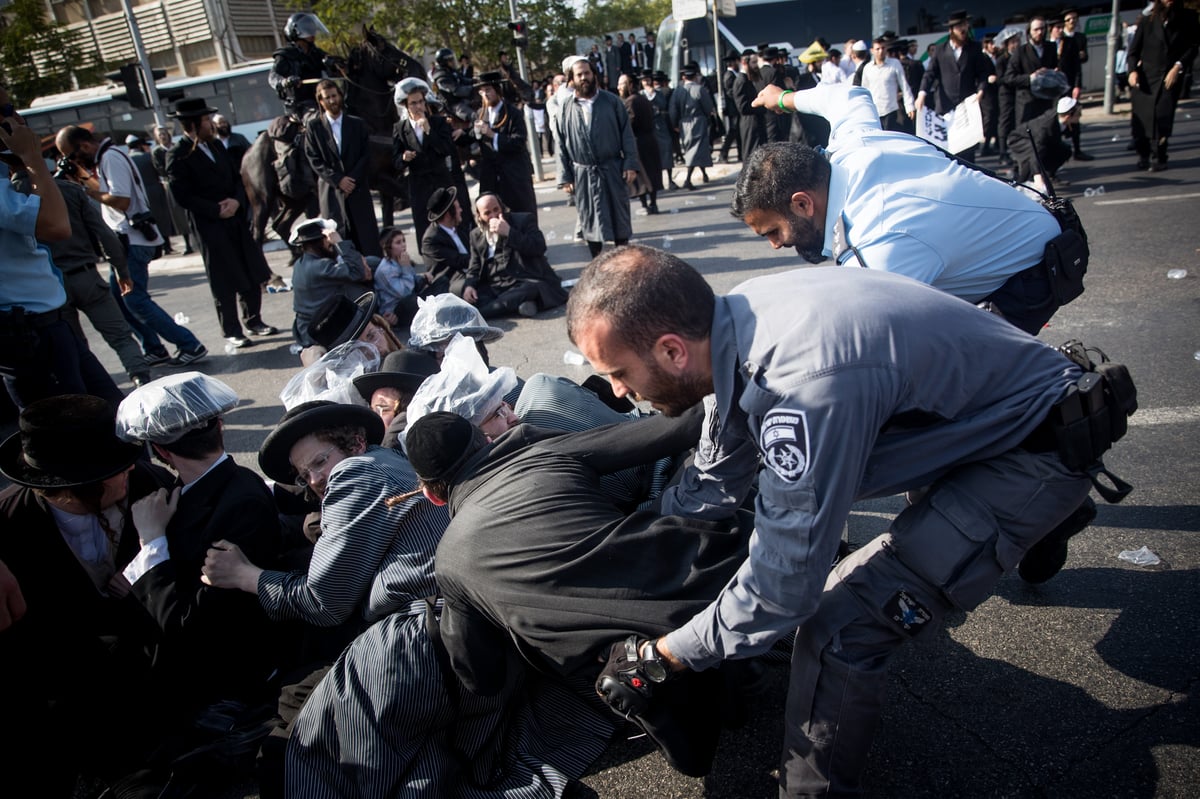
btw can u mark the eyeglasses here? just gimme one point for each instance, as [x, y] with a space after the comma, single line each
[305, 476]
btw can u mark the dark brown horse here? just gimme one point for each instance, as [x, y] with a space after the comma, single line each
[373, 68]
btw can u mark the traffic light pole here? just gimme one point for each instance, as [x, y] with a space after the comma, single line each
[144, 60]
[530, 130]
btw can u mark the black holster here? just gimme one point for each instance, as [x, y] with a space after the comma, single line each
[1092, 416]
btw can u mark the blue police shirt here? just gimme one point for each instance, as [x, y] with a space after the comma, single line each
[29, 277]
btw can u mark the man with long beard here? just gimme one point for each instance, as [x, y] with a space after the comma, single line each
[597, 157]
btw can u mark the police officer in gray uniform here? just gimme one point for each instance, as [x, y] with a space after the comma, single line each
[847, 384]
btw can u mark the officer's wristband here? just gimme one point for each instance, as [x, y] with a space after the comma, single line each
[783, 94]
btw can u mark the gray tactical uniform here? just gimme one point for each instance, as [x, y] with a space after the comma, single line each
[851, 384]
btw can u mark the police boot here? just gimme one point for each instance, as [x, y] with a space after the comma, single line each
[1046, 558]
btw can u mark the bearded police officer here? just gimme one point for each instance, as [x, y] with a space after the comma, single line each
[848, 384]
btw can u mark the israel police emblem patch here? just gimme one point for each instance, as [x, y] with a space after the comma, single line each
[784, 443]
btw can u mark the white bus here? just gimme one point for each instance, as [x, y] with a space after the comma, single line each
[241, 94]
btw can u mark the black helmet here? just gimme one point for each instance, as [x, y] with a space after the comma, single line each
[444, 56]
[303, 26]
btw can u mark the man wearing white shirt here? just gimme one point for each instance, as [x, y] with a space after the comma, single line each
[339, 149]
[444, 245]
[218, 643]
[883, 78]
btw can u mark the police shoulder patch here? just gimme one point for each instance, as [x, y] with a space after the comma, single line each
[784, 443]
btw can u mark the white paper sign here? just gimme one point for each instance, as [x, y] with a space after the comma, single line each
[959, 130]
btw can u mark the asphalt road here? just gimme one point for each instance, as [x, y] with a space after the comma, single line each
[1083, 687]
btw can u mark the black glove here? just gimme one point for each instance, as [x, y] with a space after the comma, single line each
[623, 684]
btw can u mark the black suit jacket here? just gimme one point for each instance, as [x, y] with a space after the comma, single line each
[445, 266]
[952, 80]
[233, 261]
[521, 255]
[354, 212]
[427, 171]
[1021, 66]
[217, 641]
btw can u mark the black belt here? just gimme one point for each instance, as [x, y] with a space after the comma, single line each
[1042, 439]
[43, 319]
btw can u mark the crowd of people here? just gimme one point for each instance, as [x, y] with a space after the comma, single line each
[453, 574]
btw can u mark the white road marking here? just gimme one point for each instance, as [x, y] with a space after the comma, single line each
[1132, 200]
[1157, 416]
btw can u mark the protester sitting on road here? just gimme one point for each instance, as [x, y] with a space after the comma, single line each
[371, 558]
[443, 246]
[397, 283]
[389, 391]
[328, 267]
[440, 317]
[339, 320]
[74, 662]
[508, 270]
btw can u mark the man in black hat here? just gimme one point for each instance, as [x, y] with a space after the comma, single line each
[205, 182]
[118, 188]
[510, 529]
[389, 391]
[444, 247]
[691, 107]
[328, 265]
[338, 147]
[730, 111]
[72, 665]
[504, 165]
[956, 70]
[752, 129]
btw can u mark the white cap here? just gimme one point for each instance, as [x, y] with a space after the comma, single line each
[860, 46]
[1067, 104]
[569, 62]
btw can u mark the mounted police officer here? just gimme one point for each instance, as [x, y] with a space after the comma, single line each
[451, 88]
[300, 64]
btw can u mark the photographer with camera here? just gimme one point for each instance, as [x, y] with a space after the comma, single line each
[40, 356]
[117, 186]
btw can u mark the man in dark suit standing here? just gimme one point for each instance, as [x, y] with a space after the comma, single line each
[648, 49]
[235, 143]
[1031, 59]
[732, 120]
[625, 49]
[1072, 55]
[205, 183]
[338, 147]
[612, 62]
[957, 69]
[504, 166]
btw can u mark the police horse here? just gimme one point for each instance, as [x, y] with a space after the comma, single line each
[373, 67]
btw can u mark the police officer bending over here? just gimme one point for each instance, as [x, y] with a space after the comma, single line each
[848, 384]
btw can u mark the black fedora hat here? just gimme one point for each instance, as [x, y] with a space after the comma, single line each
[311, 417]
[340, 319]
[489, 79]
[959, 17]
[311, 230]
[405, 370]
[64, 441]
[440, 202]
[191, 107]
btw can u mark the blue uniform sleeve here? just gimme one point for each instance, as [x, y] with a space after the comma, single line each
[815, 439]
[19, 212]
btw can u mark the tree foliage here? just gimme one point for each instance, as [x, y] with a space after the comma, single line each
[38, 56]
[420, 27]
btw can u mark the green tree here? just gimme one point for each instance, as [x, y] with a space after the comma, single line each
[39, 56]
[611, 15]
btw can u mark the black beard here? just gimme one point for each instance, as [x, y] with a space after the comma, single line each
[812, 256]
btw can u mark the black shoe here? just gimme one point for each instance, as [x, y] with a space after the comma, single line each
[1158, 166]
[652, 209]
[188, 251]
[1130, 147]
[1080, 155]
[237, 342]
[528, 308]
[262, 330]
[140, 378]
[185, 358]
[1046, 558]
[1143, 163]
[157, 358]
[687, 184]
[672, 185]
[704, 176]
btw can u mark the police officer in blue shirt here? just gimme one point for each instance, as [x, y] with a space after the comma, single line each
[831, 386]
[890, 201]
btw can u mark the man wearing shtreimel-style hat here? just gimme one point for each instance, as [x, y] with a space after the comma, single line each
[205, 182]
